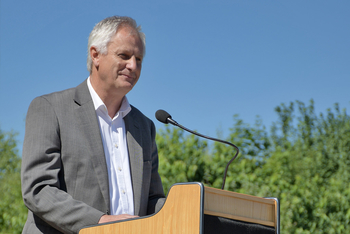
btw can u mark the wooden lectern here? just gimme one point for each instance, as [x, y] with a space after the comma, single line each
[192, 208]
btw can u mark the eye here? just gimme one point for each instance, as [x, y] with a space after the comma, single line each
[124, 56]
[139, 59]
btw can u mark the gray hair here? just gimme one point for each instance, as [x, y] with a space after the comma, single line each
[103, 32]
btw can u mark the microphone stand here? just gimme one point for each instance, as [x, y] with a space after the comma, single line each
[173, 122]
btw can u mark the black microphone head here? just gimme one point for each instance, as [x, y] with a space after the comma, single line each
[163, 116]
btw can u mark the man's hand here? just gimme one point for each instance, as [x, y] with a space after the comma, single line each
[112, 218]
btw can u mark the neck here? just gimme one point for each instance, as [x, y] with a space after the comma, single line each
[110, 97]
[113, 106]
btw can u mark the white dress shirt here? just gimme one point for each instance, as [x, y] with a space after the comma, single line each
[116, 153]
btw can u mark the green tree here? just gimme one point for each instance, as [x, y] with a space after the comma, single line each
[312, 161]
[13, 213]
[253, 143]
[304, 161]
[182, 157]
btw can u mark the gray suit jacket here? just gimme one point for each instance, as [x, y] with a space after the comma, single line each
[64, 172]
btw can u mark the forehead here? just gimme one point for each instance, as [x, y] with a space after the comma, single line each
[127, 37]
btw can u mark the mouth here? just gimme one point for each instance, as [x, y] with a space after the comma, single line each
[128, 78]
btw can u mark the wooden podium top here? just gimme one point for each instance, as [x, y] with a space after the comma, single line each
[240, 207]
[184, 210]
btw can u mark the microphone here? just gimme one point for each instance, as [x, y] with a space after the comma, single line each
[165, 117]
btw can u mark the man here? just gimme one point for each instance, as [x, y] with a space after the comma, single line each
[88, 156]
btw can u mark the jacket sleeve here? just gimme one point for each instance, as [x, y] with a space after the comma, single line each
[42, 174]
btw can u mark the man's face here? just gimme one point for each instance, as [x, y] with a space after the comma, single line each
[120, 69]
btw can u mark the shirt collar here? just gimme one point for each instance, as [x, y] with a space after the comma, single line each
[124, 109]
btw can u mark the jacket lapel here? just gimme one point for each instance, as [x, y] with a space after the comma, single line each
[135, 157]
[86, 115]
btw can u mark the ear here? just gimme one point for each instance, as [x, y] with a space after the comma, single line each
[95, 56]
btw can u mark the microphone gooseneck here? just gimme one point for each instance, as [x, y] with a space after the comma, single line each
[165, 117]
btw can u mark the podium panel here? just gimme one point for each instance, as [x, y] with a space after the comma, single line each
[192, 208]
[227, 226]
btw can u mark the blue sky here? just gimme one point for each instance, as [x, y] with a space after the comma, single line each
[205, 62]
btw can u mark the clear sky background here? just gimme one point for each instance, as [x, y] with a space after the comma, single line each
[205, 62]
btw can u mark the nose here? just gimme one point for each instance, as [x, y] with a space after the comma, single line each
[132, 63]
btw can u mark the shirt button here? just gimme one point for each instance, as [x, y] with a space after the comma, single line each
[116, 146]
[119, 169]
[123, 191]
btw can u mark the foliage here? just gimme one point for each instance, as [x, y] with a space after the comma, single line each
[180, 161]
[313, 170]
[253, 144]
[13, 213]
[304, 161]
